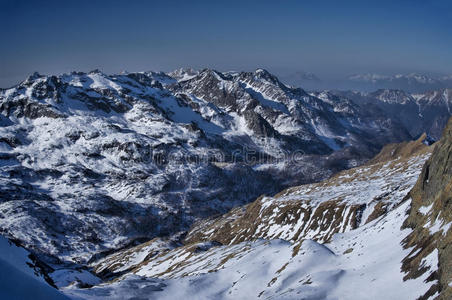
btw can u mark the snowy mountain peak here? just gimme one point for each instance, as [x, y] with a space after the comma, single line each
[32, 77]
[96, 71]
[211, 73]
[183, 74]
[263, 73]
[420, 78]
[267, 76]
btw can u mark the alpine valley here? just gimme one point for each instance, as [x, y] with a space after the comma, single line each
[222, 185]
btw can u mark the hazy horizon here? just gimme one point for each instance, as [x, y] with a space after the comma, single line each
[329, 39]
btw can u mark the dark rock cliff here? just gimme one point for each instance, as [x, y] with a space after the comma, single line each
[430, 217]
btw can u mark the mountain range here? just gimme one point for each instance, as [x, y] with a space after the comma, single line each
[368, 82]
[412, 82]
[144, 181]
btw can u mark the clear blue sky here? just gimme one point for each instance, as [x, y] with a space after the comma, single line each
[328, 38]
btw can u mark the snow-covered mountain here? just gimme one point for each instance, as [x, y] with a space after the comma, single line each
[183, 74]
[422, 112]
[91, 164]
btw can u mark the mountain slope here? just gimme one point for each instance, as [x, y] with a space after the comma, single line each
[317, 211]
[353, 266]
[368, 254]
[93, 162]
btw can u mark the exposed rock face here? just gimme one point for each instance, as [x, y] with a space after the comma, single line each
[259, 125]
[431, 219]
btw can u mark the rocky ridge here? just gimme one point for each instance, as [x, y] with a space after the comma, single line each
[431, 219]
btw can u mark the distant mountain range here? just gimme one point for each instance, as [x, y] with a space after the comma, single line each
[413, 82]
[302, 79]
[410, 82]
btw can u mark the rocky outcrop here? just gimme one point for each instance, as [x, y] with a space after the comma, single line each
[431, 219]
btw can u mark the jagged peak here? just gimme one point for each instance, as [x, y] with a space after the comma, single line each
[96, 71]
[264, 74]
[261, 75]
[32, 77]
[212, 73]
[262, 71]
[183, 74]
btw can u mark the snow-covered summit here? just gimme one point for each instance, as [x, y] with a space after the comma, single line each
[183, 74]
